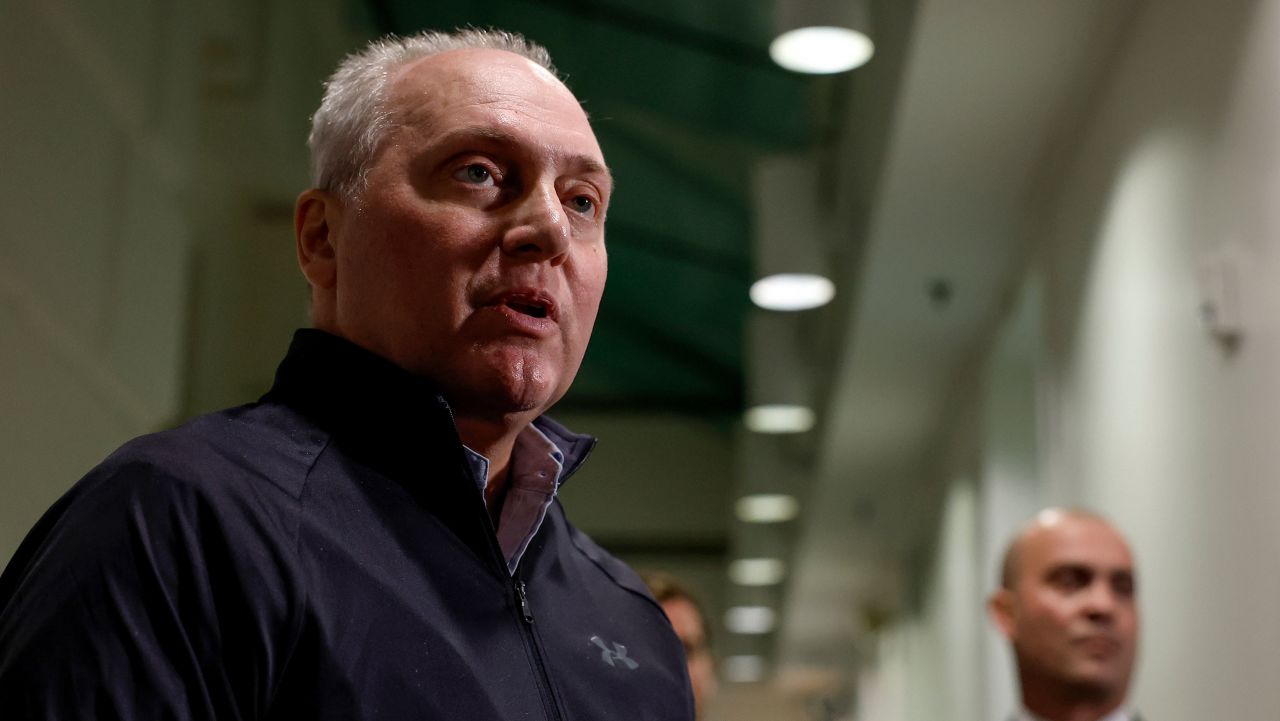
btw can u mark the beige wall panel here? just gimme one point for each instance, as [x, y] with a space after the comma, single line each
[612, 498]
[62, 154]
[93, 246]
[56, 422]
[119, 43]
[149, 299]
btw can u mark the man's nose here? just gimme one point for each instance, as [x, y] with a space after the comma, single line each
[540, 227]
[1100, 603]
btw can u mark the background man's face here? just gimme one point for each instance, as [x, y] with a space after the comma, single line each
[1071, 614]
[688, 625]
[476, 254]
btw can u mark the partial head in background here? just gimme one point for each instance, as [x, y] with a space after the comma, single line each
[691, 627]
[456, 226]
[1067, 604]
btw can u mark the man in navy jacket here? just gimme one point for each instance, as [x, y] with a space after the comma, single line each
[379, 536]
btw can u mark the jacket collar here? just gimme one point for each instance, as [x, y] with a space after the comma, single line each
[396, 419]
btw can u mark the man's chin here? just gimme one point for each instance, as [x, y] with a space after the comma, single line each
[1097, 680]
[505, 396]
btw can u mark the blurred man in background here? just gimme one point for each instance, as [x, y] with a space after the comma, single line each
[1067, 604]
[379, 536]
[691, 627]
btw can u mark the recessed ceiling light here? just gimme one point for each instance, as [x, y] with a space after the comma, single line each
[779, 418]
[792, 291]
[749, 619]
[742, 669]
[767, 508]
[757, 571]
[821, 50]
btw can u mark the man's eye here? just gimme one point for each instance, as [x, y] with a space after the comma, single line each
[1071, 578]
[1122, 585]
[582, 204]
[474, 174]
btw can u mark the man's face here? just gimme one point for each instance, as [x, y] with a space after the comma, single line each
[475, 256]
[687, 622]
[1071, 615]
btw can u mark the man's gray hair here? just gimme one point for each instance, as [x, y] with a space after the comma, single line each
[353, 117]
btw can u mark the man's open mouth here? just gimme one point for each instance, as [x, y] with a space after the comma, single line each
[534, 308]
[532, 304]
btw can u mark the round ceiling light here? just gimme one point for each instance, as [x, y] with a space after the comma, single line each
[821, 50]
[749, 619]
[779, 418]
[743, 669]
[767, 508]
[792, 291]
[757, 571]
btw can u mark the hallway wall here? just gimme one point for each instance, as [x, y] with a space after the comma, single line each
[1154, 421]
[95, 254]
[1124, 401]
[151, 152]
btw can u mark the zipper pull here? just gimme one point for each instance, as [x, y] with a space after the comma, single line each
[525, 611]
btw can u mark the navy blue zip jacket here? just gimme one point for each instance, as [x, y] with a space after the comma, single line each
[324, 553]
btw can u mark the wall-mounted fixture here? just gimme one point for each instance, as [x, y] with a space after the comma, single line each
[1219, 283]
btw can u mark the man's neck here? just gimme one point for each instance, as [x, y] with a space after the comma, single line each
[1067, 707]
[494, 441]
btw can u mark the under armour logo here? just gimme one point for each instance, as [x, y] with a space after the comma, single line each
[612, 655]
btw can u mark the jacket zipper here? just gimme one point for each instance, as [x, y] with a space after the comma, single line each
[545, 689]
[526, 615]
[523, 598]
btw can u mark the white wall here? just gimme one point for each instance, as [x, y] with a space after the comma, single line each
[1012, 489]
[1127, 403]
[1156, 423]
[943, 660]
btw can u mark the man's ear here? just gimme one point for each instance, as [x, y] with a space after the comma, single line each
[316, 217]
[1001, 607]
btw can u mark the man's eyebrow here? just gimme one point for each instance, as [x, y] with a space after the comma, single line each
[485, 133]
[1070, 567]
[595, 167]
[477, 132]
